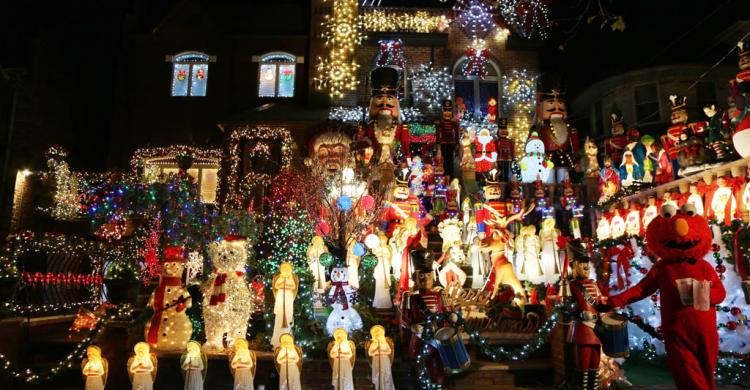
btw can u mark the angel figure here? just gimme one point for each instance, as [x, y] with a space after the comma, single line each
[382, 273]
[528, 250]
[194, 365]
[142, 367]
[380, 352]
[288, 358]
[317, 248]
[285, 285]
[478, 264]
[95, 368]
[550, 259]
[242, 362]
[342, 354]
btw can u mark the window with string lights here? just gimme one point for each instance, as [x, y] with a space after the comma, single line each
[190, 73]
[477, 89]
[276, 74]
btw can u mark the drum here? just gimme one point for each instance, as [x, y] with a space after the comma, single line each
[613, 331]
[452, 350]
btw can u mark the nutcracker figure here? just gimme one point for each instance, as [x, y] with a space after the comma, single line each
[615, 145]
[587, 296]
[448, 130]
[403, 206]
[505, 150]
[743, 77]
[385, 126]
[416, 306]
[560, 140]
[494, 207]
[679, 118]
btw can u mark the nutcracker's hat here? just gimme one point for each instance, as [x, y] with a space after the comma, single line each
[502, 123]
[678, 102]
[615, 117]
[402, 177]
[422, 260]
[384, 81]
[550, 86]
[447, 105]
[492, 178]
[577, 251]
[743, 47]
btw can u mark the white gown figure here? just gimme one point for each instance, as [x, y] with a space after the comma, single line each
[723, 202]
[342, 354]
[380, 352]
[633, 223]
[194, 365]
[341, 296]
[285, 285]
[478, 265]
[617, 225]
[352, 263]
[317, 248]
[288, 358]
[528, 250]
[95, 369]
[534, 165]
[649, 213]
[550, 258]
[382, 274]
[243, 364]
[603, 231]
[142, 367]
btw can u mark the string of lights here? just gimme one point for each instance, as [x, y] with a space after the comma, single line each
[343, 32]
[377, 20]
[431, 85]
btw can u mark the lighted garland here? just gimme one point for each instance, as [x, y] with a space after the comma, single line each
[404, 21]
[248, 133]
[476, 17]
[201, 155]
[411, 114]
[24, 310]
[528, 18]
[27, 375]
[495, 353]
[431, 85]
[353, 114]
[419, 133]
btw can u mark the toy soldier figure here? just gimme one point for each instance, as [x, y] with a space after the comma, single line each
[505, 151]
[403, 206]
[614, 146]
[679, 118]
[385, 118]
[560, 140]
[494, 207]
[587, 296]
[448, 130]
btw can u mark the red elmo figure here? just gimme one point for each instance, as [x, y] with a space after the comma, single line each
[681, 238]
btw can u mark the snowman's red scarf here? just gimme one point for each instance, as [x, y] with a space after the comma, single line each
[339, 292]
[159, 306]
[218, 293]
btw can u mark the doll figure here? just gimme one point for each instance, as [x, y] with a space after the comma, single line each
[617, 225]
[95, 369]
[695, 199]
[342, 354]
[492, 110]
[382, 273]
[527, 255]
[285, 285]
[609, 180]
[723, 202]
[453, 256]
[633, 221]
[194, 364]
[630, 171]
[603, 231]
[550, 259]
[288, 358]
[650, 212]
[467, 155]
[664, 167]
[380, 352]
[650, 160]
[142, 367]
[242, 362]
[317, 248]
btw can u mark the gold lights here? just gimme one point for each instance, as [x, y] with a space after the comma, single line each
[404, 21]
[337, 72]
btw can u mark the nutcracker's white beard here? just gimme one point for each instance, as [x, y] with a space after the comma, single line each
[384, 119]
[561, 129]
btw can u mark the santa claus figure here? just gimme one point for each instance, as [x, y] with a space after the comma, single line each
[689, 290]
[560, 140]
[615, 144]
[485, 155]
[385, 128]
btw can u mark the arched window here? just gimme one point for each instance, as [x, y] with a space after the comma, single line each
[276, 73]
[476, 91]
[190, 73]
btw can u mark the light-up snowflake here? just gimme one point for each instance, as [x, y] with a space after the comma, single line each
[431, 86]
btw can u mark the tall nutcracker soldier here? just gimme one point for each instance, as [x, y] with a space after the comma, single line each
[403, 206]
[560, 140]
[385, 128]
[416, 306]
[448, 130]
[615, 145]
[587, 296]
[494, 207]
[505, 151]
[679, 118]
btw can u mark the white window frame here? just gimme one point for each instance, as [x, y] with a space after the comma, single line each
[277, 58]
[180, 58]
[459, 76]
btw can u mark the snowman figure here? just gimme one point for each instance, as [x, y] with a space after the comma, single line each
[227, 301]
[534, 164]
[342, 296]
[170, 328]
